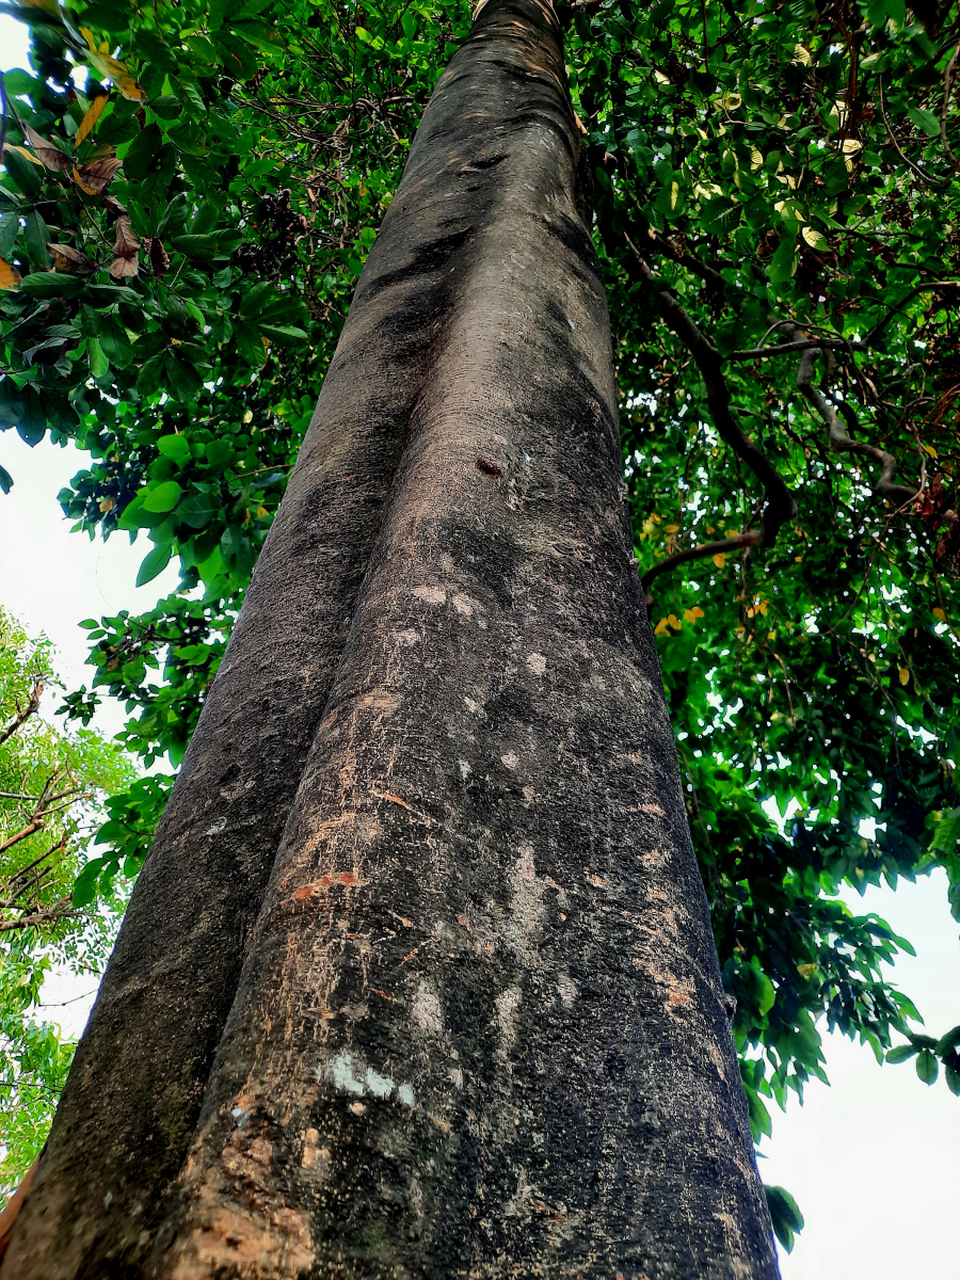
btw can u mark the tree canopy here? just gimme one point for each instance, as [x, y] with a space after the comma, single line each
[52, 788]
[189, 194]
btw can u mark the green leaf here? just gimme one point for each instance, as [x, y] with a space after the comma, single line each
[26, 176]
[248, 343]
[6, 480]
[720, 215]
[164, 497]
[142, 153]
[927, 1066]
[9, 227]
[197, 246]
[115, 342]
[99, 364]
[284, 332]
[785, 1215]
[901, 1053]
[154, 563]
[946, 833]
[32, 420]
[167, 106]
[879, 11]
[176, 447]
[51, 284]
[925, 121]
[183, 377]
[85, 886]
[36, 237]
[198, 510]
[950, 1041]
[783, 264]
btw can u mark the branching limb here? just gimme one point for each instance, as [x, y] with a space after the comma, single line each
[751, 538]
[62, 910]
[23, 713]
[19, 877]
[28, 830]
[839, 440]
[697, 266]
[780, 506]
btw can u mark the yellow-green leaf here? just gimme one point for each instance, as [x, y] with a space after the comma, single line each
[90, 118]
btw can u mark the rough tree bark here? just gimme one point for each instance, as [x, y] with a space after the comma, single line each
[418, 979]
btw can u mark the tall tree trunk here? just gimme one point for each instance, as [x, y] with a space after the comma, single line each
[473, 1025]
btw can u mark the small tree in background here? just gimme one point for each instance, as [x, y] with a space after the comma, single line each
[52, 789]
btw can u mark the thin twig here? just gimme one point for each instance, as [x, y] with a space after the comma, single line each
[923, 287]
[921, 173]
[947, 77]
[780, 506]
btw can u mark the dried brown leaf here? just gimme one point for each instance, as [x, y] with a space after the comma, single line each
[123, 267]
[67, 258]
[52, 157]
[126, 248]
[159, 260]
[95, 178]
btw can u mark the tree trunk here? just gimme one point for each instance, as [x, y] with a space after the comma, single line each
[473, 1025]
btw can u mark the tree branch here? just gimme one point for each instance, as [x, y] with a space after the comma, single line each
[688, 260]
[751, 538]
[28, 830]
[61, 910]
[23, 714]
[805, 344]
[840, 441]
[8, 1217]
[780, 506]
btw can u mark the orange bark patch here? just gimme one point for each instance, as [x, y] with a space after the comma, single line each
[346, 878]
[388, 795]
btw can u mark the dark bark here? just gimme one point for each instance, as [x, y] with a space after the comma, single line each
[477, 1027]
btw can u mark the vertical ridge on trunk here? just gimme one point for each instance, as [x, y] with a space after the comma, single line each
[480, 1027]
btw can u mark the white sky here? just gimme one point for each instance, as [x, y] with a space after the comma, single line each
[872, 1161]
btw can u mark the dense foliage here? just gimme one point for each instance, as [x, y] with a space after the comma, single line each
[189, 196]
[52, 787]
